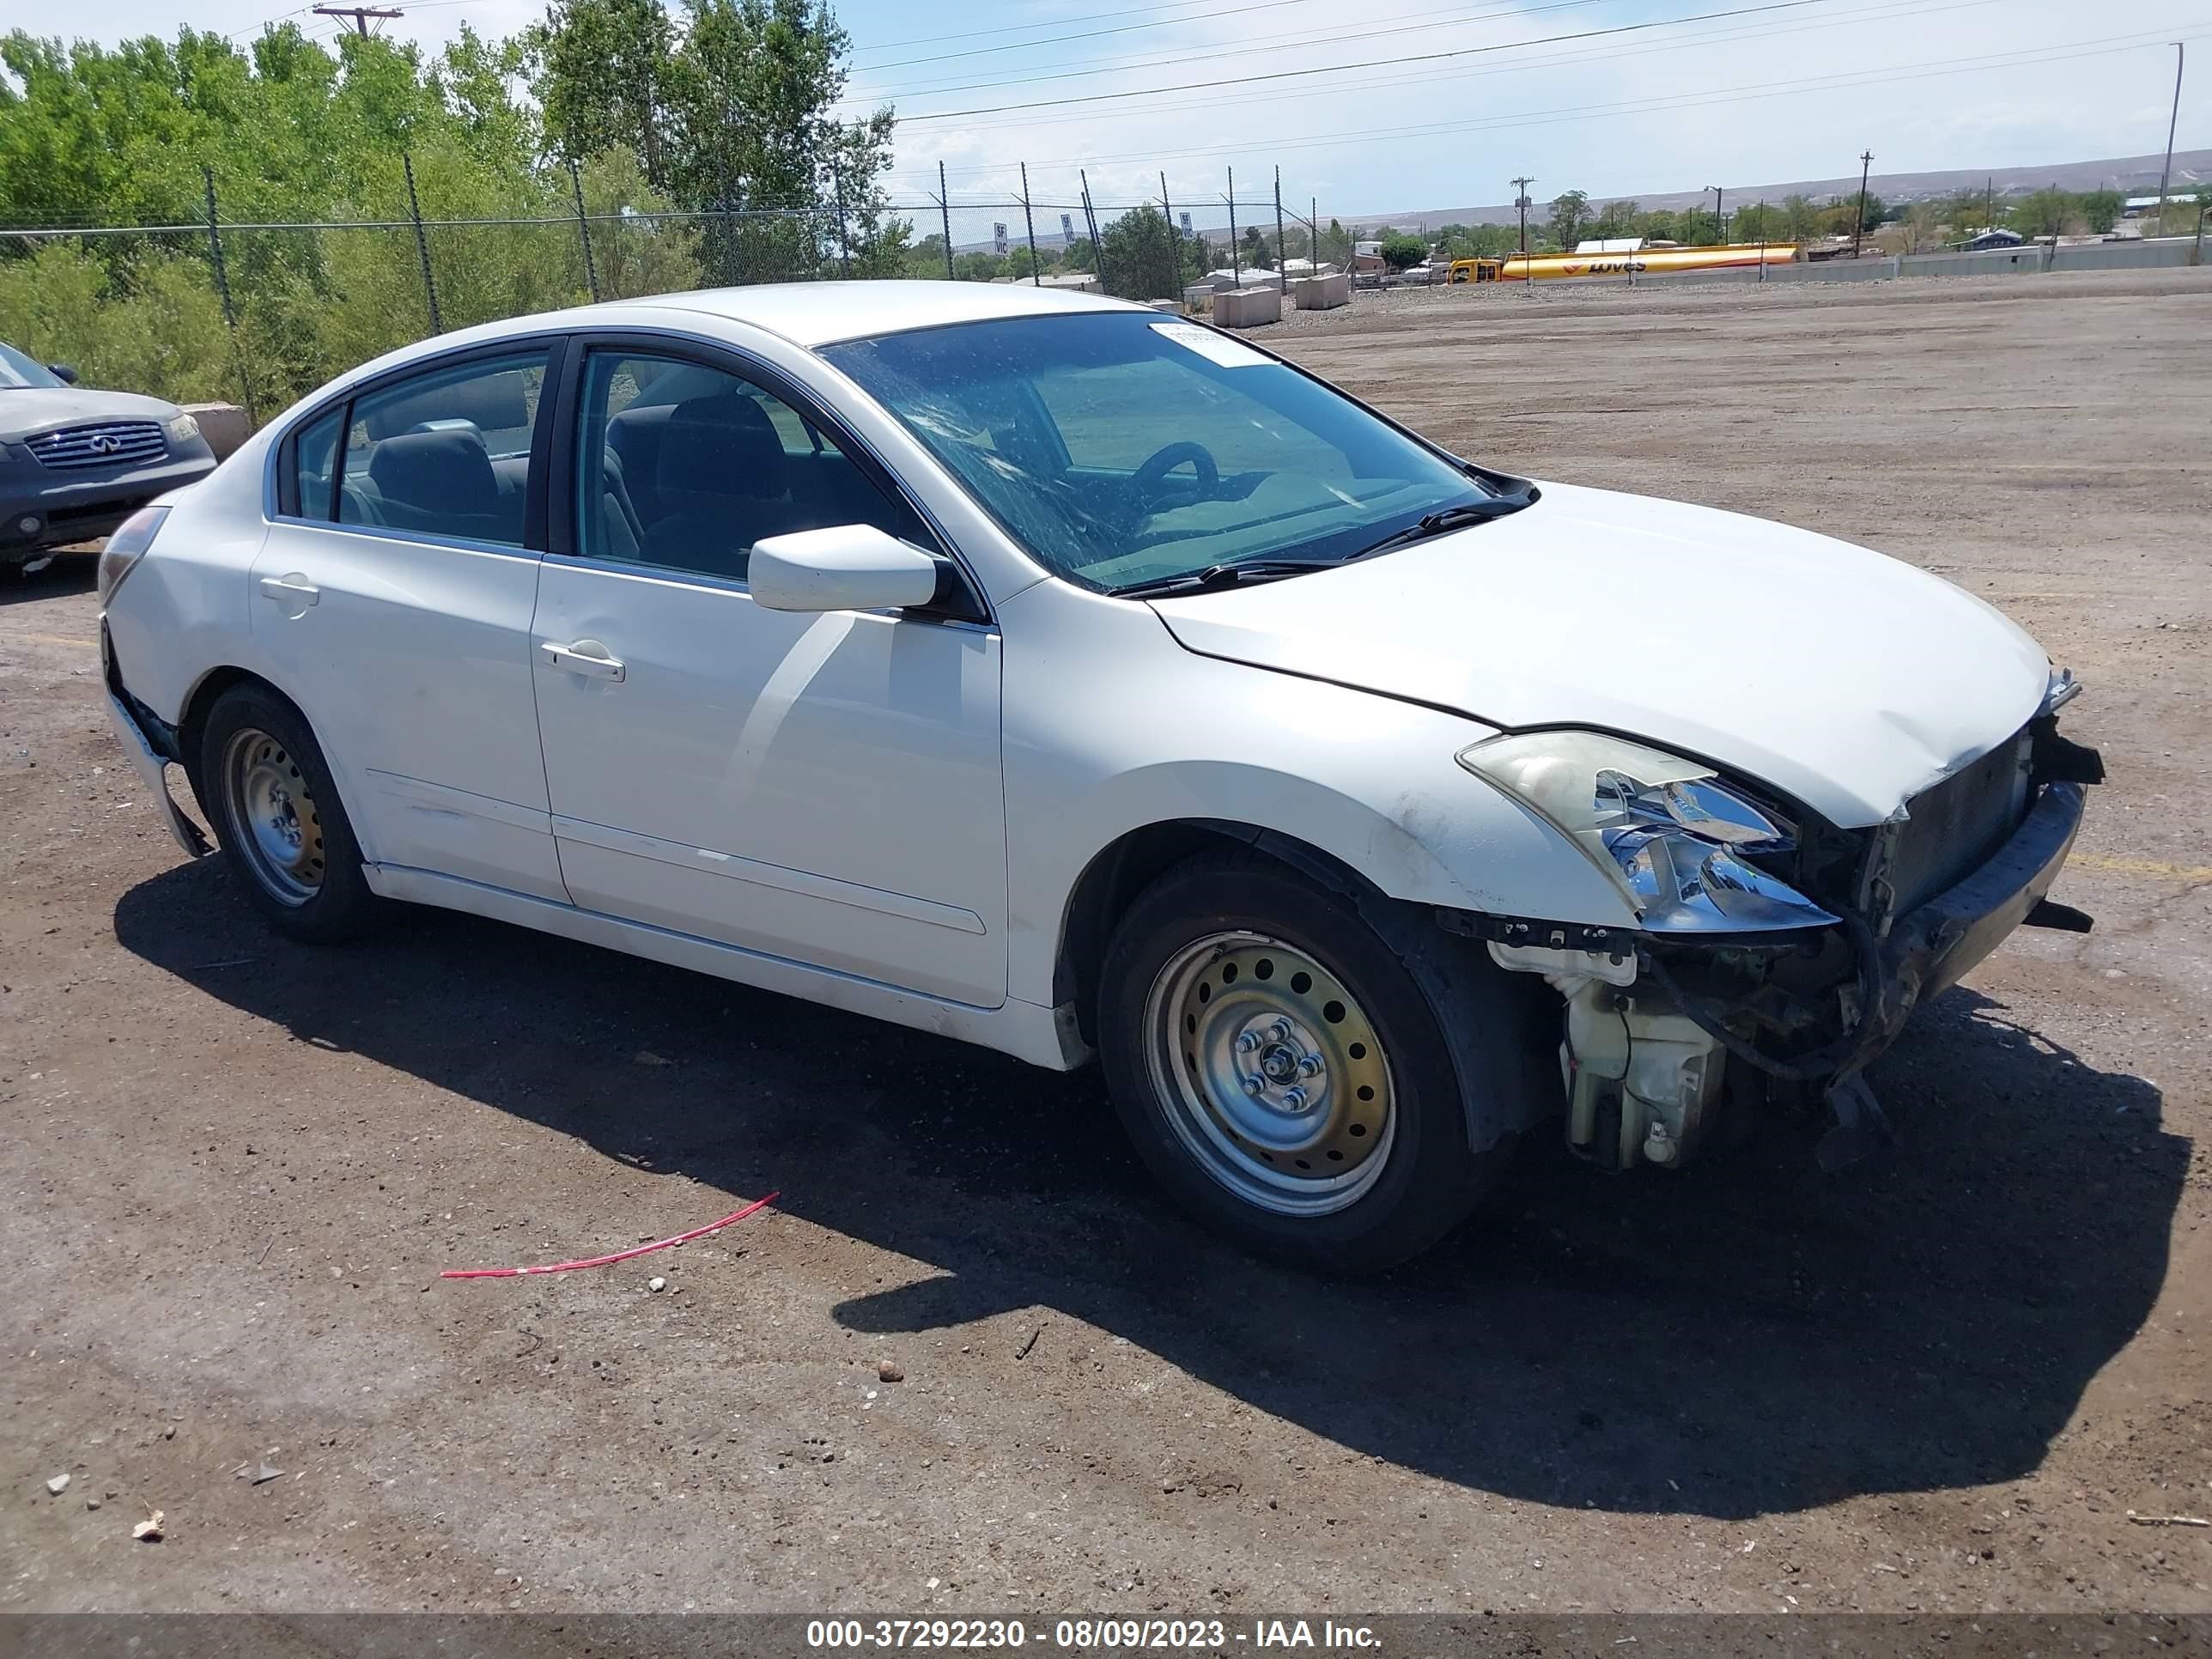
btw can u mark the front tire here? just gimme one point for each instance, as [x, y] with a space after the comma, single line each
[1281, 1070]
[274, 807]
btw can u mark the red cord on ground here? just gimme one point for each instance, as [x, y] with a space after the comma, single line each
[619, 1256]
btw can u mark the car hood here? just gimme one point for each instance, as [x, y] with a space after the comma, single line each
[1845, 679]
[26, 412]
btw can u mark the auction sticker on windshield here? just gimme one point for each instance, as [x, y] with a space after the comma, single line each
[1214, 348]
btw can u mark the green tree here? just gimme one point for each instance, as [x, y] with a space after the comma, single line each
[1756, 222]
[1255, 250]
[2100, 210]
[1400, 252]
[1139, 253]
[1571, 216]
[730, 108]
[2049, 211]
[1616, 219]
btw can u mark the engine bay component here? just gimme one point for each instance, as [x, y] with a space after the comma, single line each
[1642, 1078]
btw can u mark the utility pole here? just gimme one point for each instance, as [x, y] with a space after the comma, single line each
[1235, 259]
[1028, 224]
[1720, 219]
[1859, 224]
[2166, 173]
[361, 15]
[1175, 245]
[1521, 201]
[944, 218]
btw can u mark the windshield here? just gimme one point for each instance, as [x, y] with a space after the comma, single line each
[18, 372]
[1122, 449]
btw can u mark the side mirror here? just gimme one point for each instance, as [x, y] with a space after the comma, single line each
[62, 373]
[846, 567]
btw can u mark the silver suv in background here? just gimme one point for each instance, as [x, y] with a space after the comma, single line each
[74, 463]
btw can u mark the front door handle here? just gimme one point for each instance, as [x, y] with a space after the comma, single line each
[584, 657]
[291, 588]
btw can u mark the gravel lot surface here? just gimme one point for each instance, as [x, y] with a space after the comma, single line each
[1938, 1381]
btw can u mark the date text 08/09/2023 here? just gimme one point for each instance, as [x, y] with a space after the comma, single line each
[1172, 1635]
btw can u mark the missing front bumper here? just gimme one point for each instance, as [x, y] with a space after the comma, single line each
[1644, 1057]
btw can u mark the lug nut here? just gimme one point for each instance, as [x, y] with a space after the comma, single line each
[1254, 1084]
[1295, 1098]
[1310, 1067]
[1246, 1042]
[1282, 1030]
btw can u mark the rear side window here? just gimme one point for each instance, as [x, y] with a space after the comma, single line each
[446, 452]
[315, 456]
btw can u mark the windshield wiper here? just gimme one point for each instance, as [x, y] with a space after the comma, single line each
[1445, 520]
[1221, 575]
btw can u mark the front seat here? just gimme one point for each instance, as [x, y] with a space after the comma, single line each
[720, 486]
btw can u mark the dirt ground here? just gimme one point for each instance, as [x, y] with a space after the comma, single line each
[1942, 1379]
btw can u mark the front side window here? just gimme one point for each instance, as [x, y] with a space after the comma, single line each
[684, 466]
[1122, 449]
[446, 452]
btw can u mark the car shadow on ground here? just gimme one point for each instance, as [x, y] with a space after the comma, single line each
[1749, 1336]
[73, 570]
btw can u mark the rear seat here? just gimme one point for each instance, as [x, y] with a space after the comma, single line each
[440, 483]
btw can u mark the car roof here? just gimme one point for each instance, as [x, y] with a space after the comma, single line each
[820, 313]
[808, 314]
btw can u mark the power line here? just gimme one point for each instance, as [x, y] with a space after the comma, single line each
[1173, 22]
[1372, 63]
[1055, 22]
[1689, 41]
[1290, 40]
[2057, 52]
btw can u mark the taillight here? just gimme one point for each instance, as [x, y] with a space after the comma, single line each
[126, 547]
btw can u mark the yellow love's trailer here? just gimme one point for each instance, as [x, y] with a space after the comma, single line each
[1545, 267]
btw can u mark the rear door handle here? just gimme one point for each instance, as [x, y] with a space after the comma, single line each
[584, 657]
[292, 588]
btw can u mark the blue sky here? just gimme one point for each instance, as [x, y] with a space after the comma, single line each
[1794, 90]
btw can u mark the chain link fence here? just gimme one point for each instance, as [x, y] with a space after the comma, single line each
[259, 312]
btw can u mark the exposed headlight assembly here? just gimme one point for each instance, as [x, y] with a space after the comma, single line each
[181, 426]
[1665, 829]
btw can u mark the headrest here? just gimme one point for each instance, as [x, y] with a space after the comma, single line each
[721, 446]
[496, 402]
[445, 471]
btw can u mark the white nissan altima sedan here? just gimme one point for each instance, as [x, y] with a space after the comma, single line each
[1038, 670]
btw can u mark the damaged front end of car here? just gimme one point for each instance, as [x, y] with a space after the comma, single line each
[1775, 955]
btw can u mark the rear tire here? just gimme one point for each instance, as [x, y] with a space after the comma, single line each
[1282, 1072]
[274, 807]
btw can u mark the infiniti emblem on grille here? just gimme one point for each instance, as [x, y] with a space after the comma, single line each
[101, 443]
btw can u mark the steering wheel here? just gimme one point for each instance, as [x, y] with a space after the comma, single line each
[1148, 480]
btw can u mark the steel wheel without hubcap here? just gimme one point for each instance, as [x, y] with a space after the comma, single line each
[280, 838]
[1270, 1074]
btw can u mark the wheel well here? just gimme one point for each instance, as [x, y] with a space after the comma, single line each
[193, 721]
[1124, 868]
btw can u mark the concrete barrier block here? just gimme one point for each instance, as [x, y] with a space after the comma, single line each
[223, 425]
[1321, 293]
[1249, 308]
